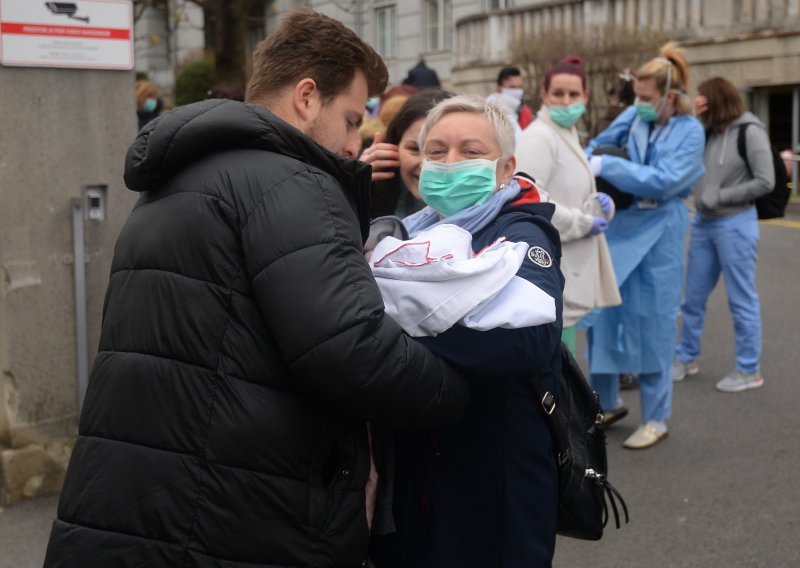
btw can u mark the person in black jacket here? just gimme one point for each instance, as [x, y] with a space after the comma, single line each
[422, 77]
[244, 343]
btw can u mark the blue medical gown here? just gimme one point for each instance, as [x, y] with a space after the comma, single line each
[646, 244]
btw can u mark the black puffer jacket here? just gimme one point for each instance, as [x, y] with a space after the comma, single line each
[243, 347]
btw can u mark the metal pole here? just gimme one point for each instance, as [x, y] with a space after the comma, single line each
[795, 135]
[81, 337]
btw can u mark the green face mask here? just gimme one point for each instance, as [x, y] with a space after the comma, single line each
[646, 111]
[450, 188]
[567, 115]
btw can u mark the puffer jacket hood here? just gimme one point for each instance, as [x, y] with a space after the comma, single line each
[189, 133]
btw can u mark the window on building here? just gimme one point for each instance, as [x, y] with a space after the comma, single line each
[498, 4]
[439, 25]
[386, 31]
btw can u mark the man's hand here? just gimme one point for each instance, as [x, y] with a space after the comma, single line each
[383, 157]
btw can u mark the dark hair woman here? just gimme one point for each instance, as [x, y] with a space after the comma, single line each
[396, 160]
[725, 232]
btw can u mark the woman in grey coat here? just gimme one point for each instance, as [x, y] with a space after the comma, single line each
[725, 232]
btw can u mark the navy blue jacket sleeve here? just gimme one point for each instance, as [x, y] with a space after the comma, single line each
[510, 352]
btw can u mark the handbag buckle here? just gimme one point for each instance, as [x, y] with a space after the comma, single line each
[549, 403]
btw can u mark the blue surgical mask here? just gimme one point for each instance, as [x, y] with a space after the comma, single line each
[646, 111]
[450, 188]
[567, 115]
[149, 105]
[372, 103]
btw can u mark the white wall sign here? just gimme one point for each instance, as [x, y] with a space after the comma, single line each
[87, 34]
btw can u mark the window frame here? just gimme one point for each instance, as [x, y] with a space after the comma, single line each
[443, 27]
[380, 41]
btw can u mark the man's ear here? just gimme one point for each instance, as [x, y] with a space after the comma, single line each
[306, 99]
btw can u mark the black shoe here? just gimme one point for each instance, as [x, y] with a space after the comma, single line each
[614, 415]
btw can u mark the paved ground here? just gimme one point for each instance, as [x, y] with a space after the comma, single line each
[722, 491]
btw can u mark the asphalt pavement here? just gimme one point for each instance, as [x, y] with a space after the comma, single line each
[722, 491]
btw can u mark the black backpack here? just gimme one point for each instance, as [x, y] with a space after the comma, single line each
[576, 421]
[773, 204]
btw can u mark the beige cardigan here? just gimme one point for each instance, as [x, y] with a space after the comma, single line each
[554, 157]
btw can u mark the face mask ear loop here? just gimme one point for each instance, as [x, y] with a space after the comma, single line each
[668, 63]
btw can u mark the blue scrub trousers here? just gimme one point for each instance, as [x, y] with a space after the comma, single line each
[729, 246]
[655, 391]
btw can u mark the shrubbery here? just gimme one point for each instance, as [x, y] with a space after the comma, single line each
[194, 81]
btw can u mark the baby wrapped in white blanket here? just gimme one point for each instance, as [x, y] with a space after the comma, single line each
[433, 281]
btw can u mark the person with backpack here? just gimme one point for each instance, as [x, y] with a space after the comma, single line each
[725, 232]
[664, 143]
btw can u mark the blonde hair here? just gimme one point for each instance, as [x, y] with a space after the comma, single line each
[145, 90]
[670, 67]
[497, 117]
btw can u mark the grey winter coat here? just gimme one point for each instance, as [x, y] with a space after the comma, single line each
[728, 188]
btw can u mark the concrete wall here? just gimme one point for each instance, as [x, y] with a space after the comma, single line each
[62, 130]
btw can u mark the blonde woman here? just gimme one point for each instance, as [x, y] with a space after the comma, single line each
[483, 492]
[665, 144]
[550, 151]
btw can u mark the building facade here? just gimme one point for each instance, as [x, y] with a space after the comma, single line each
[754, 43]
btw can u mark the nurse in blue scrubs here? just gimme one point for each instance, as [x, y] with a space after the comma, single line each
[665, 145]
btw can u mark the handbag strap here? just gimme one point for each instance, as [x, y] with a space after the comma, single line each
[549, 404]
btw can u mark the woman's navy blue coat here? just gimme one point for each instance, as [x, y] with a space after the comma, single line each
[483, 493]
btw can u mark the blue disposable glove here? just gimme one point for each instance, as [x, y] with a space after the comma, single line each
[599, 225]
[596, 165]
[605, 202]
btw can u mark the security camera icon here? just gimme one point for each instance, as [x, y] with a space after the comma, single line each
[67, 9]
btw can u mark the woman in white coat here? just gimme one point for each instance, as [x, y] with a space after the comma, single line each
[550, 151]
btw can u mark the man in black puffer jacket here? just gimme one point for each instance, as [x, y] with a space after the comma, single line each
[244, 343]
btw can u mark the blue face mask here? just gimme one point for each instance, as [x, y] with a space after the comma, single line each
[149, 105]
[567, 115]
[450, 188]
[372, 103]
[646, 111]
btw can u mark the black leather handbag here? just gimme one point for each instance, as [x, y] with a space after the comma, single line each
[576, 420]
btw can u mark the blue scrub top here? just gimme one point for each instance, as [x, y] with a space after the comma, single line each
[646, 240]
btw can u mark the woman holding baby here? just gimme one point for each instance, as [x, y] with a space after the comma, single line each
[484, 491]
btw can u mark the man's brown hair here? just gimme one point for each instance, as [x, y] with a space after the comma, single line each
[309, 44]
[724, 102]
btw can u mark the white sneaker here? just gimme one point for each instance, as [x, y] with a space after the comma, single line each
[738, 382]
[680, 369]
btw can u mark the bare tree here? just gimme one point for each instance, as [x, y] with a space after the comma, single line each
[606, 52]
[225, 24]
